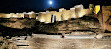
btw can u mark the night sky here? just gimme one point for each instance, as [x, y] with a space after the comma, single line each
[8, 6]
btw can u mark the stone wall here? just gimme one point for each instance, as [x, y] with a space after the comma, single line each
[106, 12]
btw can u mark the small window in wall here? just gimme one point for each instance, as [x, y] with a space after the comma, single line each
[36, 14]
[51, 18]
[54, 18]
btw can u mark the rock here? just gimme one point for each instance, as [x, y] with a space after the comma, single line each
[71, 25]
[19, 23]
[106, 11]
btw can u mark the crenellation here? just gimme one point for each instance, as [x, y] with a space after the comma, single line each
[77, 11]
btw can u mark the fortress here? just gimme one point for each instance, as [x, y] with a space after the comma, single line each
[51, 16]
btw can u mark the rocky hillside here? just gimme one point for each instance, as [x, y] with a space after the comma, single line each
[84, 24]
[18, 23]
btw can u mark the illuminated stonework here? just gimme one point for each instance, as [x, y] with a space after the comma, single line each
[51, 16]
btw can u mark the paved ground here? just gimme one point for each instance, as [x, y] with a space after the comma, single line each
[71, 44]
[42, 42]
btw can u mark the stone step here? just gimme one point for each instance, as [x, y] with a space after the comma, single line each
[18, 43]
[23, 41]
[66, 36]
[28, 47]
[80, 36]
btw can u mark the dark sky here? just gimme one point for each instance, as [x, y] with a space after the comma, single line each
[8, 6]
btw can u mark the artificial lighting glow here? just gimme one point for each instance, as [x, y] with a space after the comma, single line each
[50, 2]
